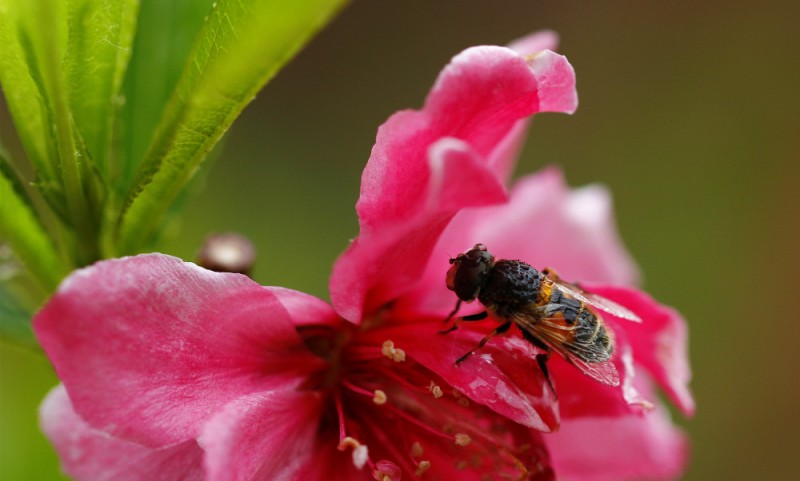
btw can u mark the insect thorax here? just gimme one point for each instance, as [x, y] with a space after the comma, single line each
[511, 284]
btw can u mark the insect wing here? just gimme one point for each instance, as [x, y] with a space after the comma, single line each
[554, 331]
[596, 301]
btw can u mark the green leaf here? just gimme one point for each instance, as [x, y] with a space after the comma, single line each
[37, 32]
[22, 88]
[241, 46]
[165, 32]
[22, 231]
[98, 49]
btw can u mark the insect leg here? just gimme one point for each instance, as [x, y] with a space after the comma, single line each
[500, 329]
[453, 312]
[541, 360]
[472, 317]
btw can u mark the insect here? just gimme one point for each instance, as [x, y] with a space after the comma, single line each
[553, 315]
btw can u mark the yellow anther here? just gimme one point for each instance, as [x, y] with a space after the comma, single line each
[379, 397]
[435, 390]
[348, 442]
[416, 450]
[463, 439]
[463, 402]
[360, 452]
[388, 350]
[423, 466]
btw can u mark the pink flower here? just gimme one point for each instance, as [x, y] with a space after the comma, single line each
[172, 372]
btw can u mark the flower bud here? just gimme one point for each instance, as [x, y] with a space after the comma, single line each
[227, 252]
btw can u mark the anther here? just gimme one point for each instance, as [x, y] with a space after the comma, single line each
[388, 350]
[435, 390]
[360, 451]
[379, 398]
[416, 450]
[423, 466]
[463, 439]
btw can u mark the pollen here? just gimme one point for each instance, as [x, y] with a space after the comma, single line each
[360, 451]
[360, 456]
[435, 390]
[423, 466]
[388, 350]
[379, 398]
[416, 450]
[463, 439]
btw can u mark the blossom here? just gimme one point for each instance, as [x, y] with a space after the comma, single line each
[171, 371]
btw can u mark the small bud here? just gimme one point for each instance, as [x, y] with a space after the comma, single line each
[227, 252]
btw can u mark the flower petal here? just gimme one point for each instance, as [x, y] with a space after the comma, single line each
[149, 346]
[382, 263]
[305, 309]
[90, 455]
[535, 42]
[659, 343]
[428, 164]
[502, 375]
[631, 447]
[262, 436]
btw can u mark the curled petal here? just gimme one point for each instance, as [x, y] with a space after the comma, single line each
[627, 448]
[381, 264]
[266, 436]
[90, 455]
[426, 165]
[659, 343]
[149, 346]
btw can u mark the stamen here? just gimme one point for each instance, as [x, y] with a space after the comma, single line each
[379, 398]
[360, 456]
[360, 452]
[435, 390]
[416, 449]
[423, 466]
[415, 421]
[348, 442]
[388, 350]
[463, 439]
[337, 397]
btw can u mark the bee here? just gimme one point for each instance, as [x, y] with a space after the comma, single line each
[553, 315]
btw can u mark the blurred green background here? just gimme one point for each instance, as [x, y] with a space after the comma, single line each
[689, 112]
